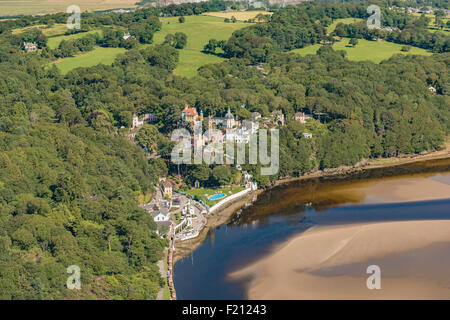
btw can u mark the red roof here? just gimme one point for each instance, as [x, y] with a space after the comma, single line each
[190, 112]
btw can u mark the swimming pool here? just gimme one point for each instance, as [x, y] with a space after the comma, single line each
[217, 196]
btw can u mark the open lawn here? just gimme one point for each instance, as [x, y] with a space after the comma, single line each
[97, 56]
[239, 15]
[199, 29]
[374, 51]
[49, 31]
[30, 7]
[201, 192]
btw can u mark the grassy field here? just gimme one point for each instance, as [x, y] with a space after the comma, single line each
[332, 26]
[54, 30]
[374, 51]
[199, 29]
[54, 42]
[97, 56]
[29, 7]
[239, 15]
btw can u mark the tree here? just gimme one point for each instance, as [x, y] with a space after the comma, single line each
[210, 46]
[221, 175]
[406, 48]
[181, 19]
[199, 173]
[148, 136]
[180, 40]
[177, 41]
[162, 56]
[353, 41]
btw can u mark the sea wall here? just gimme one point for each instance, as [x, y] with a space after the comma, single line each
[229, 200]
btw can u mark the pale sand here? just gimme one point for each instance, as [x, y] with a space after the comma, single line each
[417, 187]
[331, 262]
[408, 189]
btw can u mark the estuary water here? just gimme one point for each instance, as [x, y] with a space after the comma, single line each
[412, 192]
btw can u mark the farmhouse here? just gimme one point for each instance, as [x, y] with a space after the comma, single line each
[29, 46]
[432, 89]
[307, 135]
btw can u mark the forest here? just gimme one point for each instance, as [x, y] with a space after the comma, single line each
[70, 177]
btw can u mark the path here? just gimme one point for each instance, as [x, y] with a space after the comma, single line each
[163, 272]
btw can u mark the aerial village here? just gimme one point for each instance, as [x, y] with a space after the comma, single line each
[181, 215]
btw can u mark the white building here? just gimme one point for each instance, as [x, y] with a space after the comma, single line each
[229, 120]
[161, 216]
[137, 123]
[29, 46]
[307, 135]
[126, 36]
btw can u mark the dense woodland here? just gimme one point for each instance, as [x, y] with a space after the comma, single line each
[70, 178]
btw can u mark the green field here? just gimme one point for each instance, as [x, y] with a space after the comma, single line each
[54, 42]
[49, 31]
[97, 56]
[374, 51]
[199, 29]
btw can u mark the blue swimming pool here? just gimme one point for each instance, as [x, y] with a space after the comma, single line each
[217, 196]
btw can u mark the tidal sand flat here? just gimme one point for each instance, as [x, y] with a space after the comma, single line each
[331, 263]
[417, 187]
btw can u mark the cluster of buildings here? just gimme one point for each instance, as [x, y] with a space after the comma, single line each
[235, 129]
[231, 128]
[426, 9]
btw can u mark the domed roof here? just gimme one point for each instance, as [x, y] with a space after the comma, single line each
[229, 115]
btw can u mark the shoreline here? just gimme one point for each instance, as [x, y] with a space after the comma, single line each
[184, 249]
[367, 164]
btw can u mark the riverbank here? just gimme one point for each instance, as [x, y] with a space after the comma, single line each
[183, 249]
[368, 164]
[331, 263]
